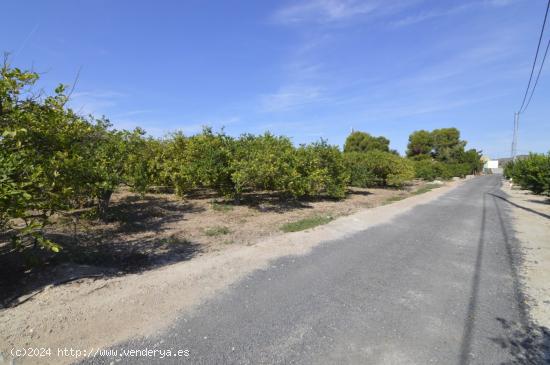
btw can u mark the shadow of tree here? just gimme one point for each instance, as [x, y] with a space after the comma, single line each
[526, 345]
[544, 202]
[521, 206]
[278, 202]
[132, 241]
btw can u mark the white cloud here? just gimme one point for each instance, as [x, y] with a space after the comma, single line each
[94, 102]
[321, 11]
[500, 2]
[291, 97]
[442, 12]
[427, 15]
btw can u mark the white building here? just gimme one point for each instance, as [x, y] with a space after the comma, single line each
[492, 166]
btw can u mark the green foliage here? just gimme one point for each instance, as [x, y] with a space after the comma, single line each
[377, 168]
[262, 163]
[441, 154]
[429, 170]
[306, 223]
[442, 144]
[146, 159]
[360, 170]
[426, 188]
[221, 207]
[447, 146]
[203, 161]
[217, 231]
[34, 135]
[420, 144]
[318, 169]
[393, 199]
[364, 142]
[472, 158]
[531, 173]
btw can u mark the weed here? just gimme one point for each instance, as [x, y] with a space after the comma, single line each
[221, 207]
[394, 198]
[306, 223]
[217, 231]
[426, 188]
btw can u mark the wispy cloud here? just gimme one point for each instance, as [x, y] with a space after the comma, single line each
[291, 97]
[323, 11]
[448, 11]
[96, 102]
[336, 11]
[432, 14]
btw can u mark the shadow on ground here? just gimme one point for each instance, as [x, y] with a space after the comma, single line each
[135, 237]
[526, 345]
[521, 206]
[269, 201]
[131, 241]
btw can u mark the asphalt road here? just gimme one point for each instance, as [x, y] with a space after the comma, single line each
[436, 285]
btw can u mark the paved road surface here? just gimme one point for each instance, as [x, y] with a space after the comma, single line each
[436, 285]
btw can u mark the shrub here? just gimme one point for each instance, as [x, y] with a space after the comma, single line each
[203, 161]
[378, 168]
[428, 169]
[146, 162]
[456, 170]
[531, 173]
[261, 163]
[318, 169]
[359, 168]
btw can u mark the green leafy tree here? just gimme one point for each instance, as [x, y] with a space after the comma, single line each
[420, 144]
[363, 142]
[447, 145]
[319, 169]
[205, 162]
[261, 163]
[36, 135]
[531, 173]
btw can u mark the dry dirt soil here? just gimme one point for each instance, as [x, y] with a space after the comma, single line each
[100, 311]
[158, 229]
[531, 214]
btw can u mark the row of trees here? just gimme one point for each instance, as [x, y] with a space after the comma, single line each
[430, 155]
[442, 154]
[531, 173]
[53, 160]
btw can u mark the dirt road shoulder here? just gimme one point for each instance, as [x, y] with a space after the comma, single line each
[531, 216]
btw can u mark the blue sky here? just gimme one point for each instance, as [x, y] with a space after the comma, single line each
[306, 69]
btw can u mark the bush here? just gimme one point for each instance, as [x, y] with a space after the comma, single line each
[429, 170]
[456, 170]
[261, 163]
[531, 173]
[378, 168]
[202, 161]
[318, 169]
[359, 168]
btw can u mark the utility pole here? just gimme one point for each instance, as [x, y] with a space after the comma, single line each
[515, 137]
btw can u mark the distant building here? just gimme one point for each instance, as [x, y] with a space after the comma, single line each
[491, 166]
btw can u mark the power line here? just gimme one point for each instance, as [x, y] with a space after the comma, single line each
[535, 60]
[522, 108]
[538, 75]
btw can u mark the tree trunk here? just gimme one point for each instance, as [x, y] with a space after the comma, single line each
[103, 204]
